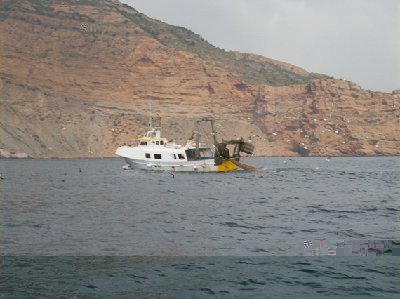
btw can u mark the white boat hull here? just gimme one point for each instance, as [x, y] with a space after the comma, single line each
[207, 165]
[156, 153]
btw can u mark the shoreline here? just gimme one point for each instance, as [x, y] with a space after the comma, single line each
[261, 156]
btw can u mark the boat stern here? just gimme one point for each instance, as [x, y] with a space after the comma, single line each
[226, 165]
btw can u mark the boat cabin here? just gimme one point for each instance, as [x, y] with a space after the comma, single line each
[152, 138]
[153, 147]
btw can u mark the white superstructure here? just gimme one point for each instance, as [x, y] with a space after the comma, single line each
[156, 153]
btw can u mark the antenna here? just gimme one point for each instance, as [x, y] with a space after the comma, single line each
[150, 118]
[197, 140]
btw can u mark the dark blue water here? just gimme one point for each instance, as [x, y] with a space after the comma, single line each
[199, 277]
[228, 235]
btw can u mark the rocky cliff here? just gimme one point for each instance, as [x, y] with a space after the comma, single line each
[77, 79]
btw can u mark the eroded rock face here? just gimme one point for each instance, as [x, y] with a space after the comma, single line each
[69, 93]
[331, 117]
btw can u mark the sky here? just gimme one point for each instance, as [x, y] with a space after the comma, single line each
[356, 40]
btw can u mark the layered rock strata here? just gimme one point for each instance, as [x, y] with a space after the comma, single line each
[77, 79]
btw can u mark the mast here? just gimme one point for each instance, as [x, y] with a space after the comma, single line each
[213, 133]
[150, 118]
[197, 132]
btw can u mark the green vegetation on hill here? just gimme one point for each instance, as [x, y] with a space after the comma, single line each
[254, 71]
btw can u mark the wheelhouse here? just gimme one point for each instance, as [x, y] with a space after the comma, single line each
[152, 138]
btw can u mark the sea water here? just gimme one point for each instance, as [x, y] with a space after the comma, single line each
[87, 228]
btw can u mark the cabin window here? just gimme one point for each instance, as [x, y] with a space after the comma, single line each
[180, 156]
[157, 156]
[147, 156]
[158, 142]
[204, 153]
[162, 142]
[143, 143]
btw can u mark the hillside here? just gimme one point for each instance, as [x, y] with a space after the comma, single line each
[77, 78]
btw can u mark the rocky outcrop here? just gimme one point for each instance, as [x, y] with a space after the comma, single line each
[330, 117]
[12, 155]
[69, 90]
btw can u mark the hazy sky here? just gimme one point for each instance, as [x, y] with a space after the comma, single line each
[356, 40]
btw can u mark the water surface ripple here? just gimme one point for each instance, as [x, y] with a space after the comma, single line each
[93, 207]
[85, 228]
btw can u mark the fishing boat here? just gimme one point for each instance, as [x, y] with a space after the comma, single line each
[154, 152]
